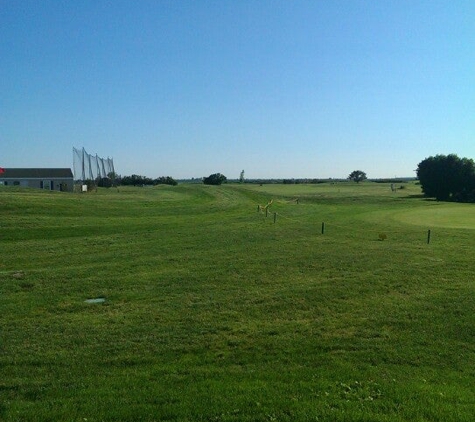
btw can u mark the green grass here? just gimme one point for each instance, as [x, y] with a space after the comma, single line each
[214, 312]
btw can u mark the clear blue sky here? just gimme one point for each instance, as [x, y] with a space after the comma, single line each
[291, 88]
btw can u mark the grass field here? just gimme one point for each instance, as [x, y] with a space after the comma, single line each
[214, 312]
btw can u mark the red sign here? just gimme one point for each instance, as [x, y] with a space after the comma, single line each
[2, 170]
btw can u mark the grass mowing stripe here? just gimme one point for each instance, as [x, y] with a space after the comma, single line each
[214, 312]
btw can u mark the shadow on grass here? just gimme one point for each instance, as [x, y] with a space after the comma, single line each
[420, 196]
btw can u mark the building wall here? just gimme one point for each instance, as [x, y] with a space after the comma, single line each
[65, 185]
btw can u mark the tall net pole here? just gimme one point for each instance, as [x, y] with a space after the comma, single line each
[98, 167]
[83, 164]
[91, 175]
[104, 174]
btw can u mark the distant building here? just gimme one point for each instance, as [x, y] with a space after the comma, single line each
[59, 179]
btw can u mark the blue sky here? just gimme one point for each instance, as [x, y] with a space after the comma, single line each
[276, 88]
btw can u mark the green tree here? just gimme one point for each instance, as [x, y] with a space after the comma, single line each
[165, 180]
[357, 176]
[113, 175]
[447, 177]
[104, 182]
[136, 180]
[214, 179]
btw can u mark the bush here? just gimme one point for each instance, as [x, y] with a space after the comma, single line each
[104, 182]
[165, 180]
[136, 180]
[214, 179]
[447, 177]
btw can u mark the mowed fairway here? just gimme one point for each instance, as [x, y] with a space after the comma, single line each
[214, 312]
[461, 216]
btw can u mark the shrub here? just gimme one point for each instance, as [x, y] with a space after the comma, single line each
[214, 179]
[165, 180]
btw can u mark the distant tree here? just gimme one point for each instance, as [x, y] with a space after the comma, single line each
[165, 180]
[113, 175]
[214, 179]
[447, 177]
[241, 177]
[104, 182]
[136, 180]
[357, 176]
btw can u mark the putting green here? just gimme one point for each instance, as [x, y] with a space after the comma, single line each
[457, 216]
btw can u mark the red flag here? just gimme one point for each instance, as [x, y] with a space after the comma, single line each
[2, 170]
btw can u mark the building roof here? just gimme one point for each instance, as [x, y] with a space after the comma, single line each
[36, 173]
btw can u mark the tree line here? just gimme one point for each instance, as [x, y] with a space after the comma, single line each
[114, 179]
[136, 180]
